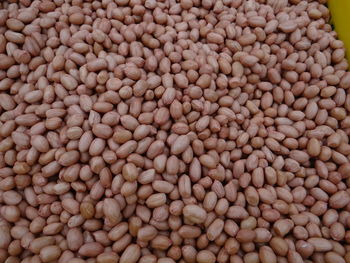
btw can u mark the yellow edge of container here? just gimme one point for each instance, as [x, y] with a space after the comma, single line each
[340, 18]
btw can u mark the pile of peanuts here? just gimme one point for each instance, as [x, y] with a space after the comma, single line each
[160, 131]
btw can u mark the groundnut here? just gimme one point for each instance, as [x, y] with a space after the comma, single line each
[173, 131]
[339, 199]
[37, 244]
[111, 210]
[5, 237]
[205, 256]
[74, 239]
[194, 213]
[50, 253]
[107, 257]
[180, 144]
[156, 200]
[131, 254]
[215, 229]
[279, 246]
[283, 226]
[147, 233]
[266, 254]
[333, 257]
[91, 249]
[245, 235]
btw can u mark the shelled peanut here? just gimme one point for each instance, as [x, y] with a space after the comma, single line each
[173, 131]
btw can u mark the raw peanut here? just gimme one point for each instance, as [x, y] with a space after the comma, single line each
[111, 210]
[215, 38]
[180, 144]
[156, 200]
[294, 256]
[147, 233]
[186, 231]
[91, 249]
[333, 257]
[313, 147]
[339, 199]
[160, 242]
[205, 256]
[283, 226]
[131, 254]
[87, 210]
[5, 238]
[232, 246]
[37, 244]
[337, 231]
[50, 253]
[173, 131]
[279, 246]
[74, 239]
[207, 161]
[320, 244]
[6, 102]
[266, 254]
[194, 213]
[215, 229]
[130, 172]
[107, 257]
[288, 26]
[118, 231]
[245, 235]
